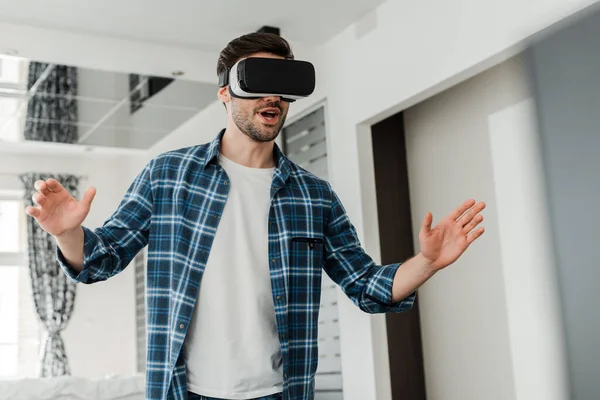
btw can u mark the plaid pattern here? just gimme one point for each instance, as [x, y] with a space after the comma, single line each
[174, 206]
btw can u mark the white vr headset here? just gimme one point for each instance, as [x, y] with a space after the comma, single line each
[255, 77]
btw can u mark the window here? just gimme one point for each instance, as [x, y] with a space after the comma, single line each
[304, 142]
[20, 331]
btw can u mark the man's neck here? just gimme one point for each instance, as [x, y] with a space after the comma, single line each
[239, 148]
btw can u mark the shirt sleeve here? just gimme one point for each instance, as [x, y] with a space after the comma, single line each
[111, 247]
[367, 284]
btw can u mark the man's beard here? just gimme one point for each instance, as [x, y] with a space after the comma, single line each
[254, 132]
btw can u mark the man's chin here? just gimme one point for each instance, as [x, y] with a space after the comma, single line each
[264, 135]
[269, 138]
[269, 131]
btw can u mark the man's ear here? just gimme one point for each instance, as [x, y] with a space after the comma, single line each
[223, 94]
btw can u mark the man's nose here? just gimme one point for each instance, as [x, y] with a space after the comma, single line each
[272, 99]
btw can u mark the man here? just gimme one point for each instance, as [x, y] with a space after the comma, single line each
[237, 238]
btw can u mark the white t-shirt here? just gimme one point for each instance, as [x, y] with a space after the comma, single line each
[232, 348]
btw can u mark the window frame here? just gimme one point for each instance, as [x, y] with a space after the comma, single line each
[19, 260]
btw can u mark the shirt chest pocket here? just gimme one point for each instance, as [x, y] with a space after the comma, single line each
[306, 261]
[306, 252]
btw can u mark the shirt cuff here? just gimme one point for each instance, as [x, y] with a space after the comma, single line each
[380, 286]
[89, 245]
[75, 276]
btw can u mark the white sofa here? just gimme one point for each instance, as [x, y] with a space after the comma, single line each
[73, 388]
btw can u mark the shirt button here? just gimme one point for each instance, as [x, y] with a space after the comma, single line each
[181, 326]
[226, 183]
[278, 297]
[274, 260]
[285, 376]
[283, 337]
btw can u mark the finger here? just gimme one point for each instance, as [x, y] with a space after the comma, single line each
[470, 214]
[33, 211]
[426, 226]
[471, 237]
[41, 187]
[473, 224]
[39, 199]
[54, 185]
[88, 197]
[460, 210]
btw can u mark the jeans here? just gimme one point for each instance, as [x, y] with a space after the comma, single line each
[194, 396]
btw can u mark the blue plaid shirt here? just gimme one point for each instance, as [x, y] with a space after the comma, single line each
[174, 206]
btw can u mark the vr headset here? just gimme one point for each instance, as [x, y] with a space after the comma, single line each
[254, 77]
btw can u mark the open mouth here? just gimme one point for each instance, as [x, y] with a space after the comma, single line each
[270, 114]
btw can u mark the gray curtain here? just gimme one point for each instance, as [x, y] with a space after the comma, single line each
[53, 292]
[52, 111]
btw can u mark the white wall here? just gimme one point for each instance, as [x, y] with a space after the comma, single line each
[565, 68]
[100, 338]
[489, 321]
[535, 323]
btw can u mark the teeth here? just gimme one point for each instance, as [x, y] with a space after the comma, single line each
[269, 114]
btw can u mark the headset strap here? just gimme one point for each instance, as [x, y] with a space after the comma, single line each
[224, 78]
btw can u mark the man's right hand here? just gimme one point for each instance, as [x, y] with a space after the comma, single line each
[58, 212]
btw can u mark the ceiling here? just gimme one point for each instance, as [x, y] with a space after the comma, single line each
[93, 108]
[104, 119]
[192, 23]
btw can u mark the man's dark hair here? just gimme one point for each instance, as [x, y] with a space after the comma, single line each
[252, 43]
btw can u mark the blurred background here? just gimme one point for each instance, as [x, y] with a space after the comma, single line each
[418, 106]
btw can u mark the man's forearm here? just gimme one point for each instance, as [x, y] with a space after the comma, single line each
[410, 276]
[71, 246]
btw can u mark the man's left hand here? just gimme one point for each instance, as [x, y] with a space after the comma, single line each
[440, 247]
[447, 241]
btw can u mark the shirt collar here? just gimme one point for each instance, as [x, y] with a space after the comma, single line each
[281, 161]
